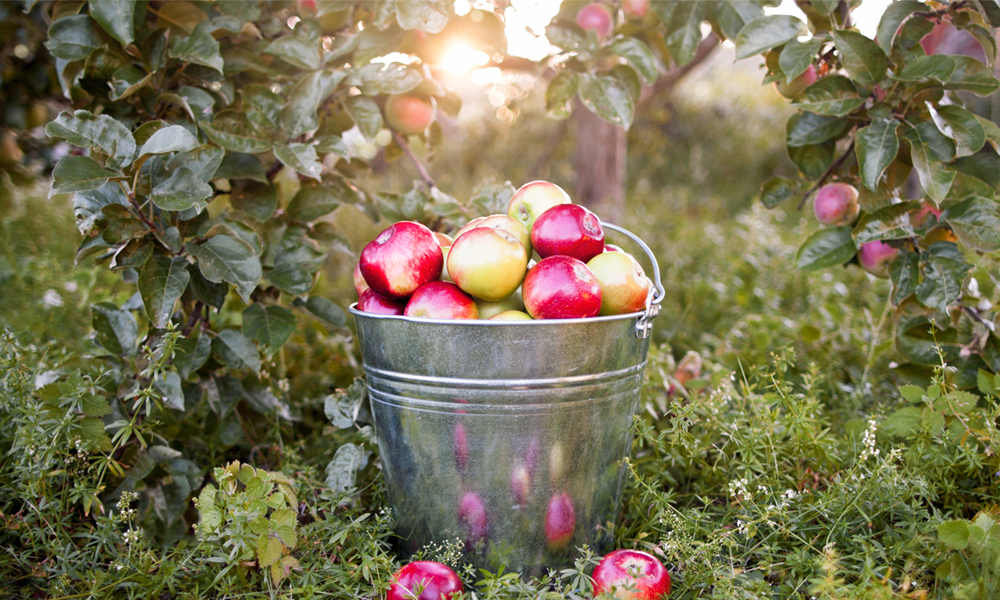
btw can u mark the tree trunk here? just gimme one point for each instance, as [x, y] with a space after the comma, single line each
[599, 163]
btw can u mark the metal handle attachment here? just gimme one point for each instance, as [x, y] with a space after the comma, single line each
[656, 293]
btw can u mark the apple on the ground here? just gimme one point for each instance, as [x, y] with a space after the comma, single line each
[441, 300]
[568, 230]
[401, 259]
[487, 263]
[631, 575]
[624, 285]
[561, 287]
[534, 198]
[424, 580]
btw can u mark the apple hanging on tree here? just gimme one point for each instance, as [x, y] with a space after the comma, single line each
[408, 114]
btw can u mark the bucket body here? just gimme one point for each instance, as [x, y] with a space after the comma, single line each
[505, 440]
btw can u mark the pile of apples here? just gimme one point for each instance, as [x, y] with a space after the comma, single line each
[487, 271]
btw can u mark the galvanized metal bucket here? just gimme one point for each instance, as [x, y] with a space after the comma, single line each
[506, 440]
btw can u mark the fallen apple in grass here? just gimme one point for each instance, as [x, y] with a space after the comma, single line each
[624, 285]
[631, 575]
[487, 263]
[560, 521]
[371, 302]
[568, 230]
[441, 300]
[534, 198]
[401, 259]
[561, 287]
[424, 580]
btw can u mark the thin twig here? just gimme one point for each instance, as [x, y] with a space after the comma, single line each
[421, 170]
[826, 175]
[194, 318]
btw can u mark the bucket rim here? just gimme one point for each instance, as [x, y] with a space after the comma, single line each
[488, 323]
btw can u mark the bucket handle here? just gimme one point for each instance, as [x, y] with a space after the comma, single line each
[656, 293]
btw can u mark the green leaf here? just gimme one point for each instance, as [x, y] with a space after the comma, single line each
[236, 351]
[300, 157]
[93, 405]
[805, 128]
[954, 533]
[972, 76]
[431, 17]
[87, 206]
[116, 17]
[961, 126]
[559, 93]
[889, 223]
[297, 51]
[322, 309]
[638, 54]
[283, 522]
[96, 133]
[181, 191]
[765, 33]
[864, 60]
[339, 409]
[256, 199]
[296, 259]
[928, 149]
[132, 255]
[904, 272]
[161, 283]
[222, 258]
[826, 248]
[256, 489]
[128, 80]
[796, 57]
[976, 221]
[813, 160]
[233, 131]
[261, 99]
[271, 326]
[121, 224]
[170, 389]
[92, 430]
[944, 271]
[299, 114]
[212, 294]
[936, 68]
[985, 39]
[892, 19]
[366, 115]
[169, 139]
[903, 422]
[985, 383]
[79, 174]
[685, 30]
[833, 95]
[340, 471]
[199, 48]
[73, 38]
[607, 98]
[238, 165]
[776, 190]
[269, 550]
[876, 146]
[190, 354]
[204, 161]
[732, 15]
[116, 330]
[913, 393]
[312, 202]
[992, 132]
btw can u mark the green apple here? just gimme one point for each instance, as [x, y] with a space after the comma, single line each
[512, 315]
[487, 263]
[534, 198]
[501, 222]
[488, 309]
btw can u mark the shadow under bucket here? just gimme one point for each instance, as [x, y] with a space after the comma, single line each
[506, 438]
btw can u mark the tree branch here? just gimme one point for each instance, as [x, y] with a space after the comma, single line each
[421, 170]
[826, 175]
[670, 79]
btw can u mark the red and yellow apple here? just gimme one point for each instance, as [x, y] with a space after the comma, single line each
[875, 257]
[790, 89]
[836, 204]
[560, 521]
[504, 222]
[489, 309]
[624, 285]
[408, 114]
[424, 580]
[561, 287]
[441, 300]
[631, 575]
[532, 199]
[487, 263]
[360, 285]
[520, 484]
[568, 230]
[401, 259]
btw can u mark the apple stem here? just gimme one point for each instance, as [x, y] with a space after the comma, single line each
[822, 180]
[421, 170]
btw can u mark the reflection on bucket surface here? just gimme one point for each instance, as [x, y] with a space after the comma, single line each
[529, 464]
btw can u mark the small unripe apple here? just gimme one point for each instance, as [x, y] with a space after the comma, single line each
[489, 309]
[441, 300]
[487, 263]
[472, 516]
[360, 285]
[408, 114]
[790, 89]
[532, 199]
[560, 521]
[424, 580]
[597, 17]
[836, 204]
[920, 215]
[875, 257]
[370, 302]
[520, 484]
[568, 230]
[689, 367]
[631, 575]
[401, 259]
[561, 287]
[624, 285]
[938, 234]
[511, 315]
[504, 222]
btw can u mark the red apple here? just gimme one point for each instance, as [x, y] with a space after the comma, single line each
[520, 484]
[561, 287]
[631, 575]
[402, 258]
[472, 516]
[597, 17]
[532, 199]
[371, 302]
[408, 114]
[441, 300]
[511, 315]
[568, 230]
[307, 7]
[836, 204]
[443, 238]
[461, 441]
[624, 285]
[560, 521]
[689, 367]
[360, 285]
[487, 263]
[790, 89]
[636, 8]
[488, 309]
[875, 257]
[920, 214]
[434, 580]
